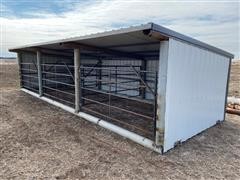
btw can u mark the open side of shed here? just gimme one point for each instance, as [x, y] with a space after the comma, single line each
[147, 83]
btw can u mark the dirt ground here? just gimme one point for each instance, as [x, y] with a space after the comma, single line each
[40, 141]
[234, 85]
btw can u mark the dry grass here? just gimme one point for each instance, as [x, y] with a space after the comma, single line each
[234, 85]
[38, 140]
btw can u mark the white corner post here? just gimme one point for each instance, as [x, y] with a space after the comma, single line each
[77, 78]
[39, 73]
[161, 93]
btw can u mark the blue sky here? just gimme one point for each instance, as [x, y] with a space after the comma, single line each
[21, 8]
[29, 21]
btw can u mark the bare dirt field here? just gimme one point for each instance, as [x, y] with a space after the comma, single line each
[40, 141]
[234, 85]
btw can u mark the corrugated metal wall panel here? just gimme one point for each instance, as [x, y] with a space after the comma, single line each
[123, 62]
[196, 87]
[152, 65]
[29, 57]
[61, 61]
[56, 59]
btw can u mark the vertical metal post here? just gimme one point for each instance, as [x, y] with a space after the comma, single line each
[144, 77]
[100, 75]
[29, 79]
[77, 79]
[43, 77]
[116, 71]
[55, 79]
[39, 73]
[19, 60]
[81, 100]
[110, 89]
[155, 103]
[82, 84]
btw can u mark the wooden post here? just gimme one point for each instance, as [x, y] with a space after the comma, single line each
[39, 73]
[77, 79]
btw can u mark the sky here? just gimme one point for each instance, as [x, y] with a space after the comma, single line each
[216, 22]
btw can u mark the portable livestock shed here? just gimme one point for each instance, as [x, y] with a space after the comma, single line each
[147, 83]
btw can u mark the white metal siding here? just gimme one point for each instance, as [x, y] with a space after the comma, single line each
[196, 87]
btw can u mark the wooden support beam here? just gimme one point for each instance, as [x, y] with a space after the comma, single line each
[40, 89]
[77, 79]
[101, 49]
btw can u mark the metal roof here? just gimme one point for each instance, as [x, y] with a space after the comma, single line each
[141, 40]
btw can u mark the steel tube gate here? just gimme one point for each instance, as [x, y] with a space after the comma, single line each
[58, 82]
[28, 72]
[113, 93]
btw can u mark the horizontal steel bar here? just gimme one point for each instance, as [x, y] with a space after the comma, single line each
[36, 77]
[122, 90]
[121, 77]
[59, 91]
[90, 75]
[118, 108]
[23, 69]
[58, 82]
[29, 82]
[108, 82]
[113, 69]
[91, 65]
[28, 63]
[58, 74]
[57, 65]
[121, 96]
[112, 74]
[58, 98]
[121, 87]
[113, 91]
[117, 120]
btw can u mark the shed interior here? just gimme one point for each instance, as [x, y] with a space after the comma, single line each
[118, 77]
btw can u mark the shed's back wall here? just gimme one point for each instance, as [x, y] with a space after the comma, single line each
[151, 65]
